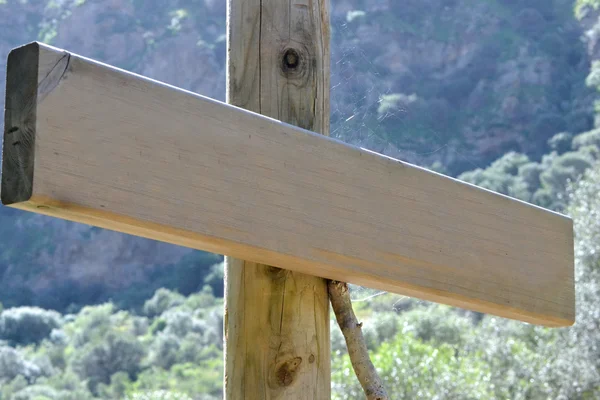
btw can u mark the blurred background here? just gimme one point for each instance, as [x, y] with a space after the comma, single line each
[499, 93]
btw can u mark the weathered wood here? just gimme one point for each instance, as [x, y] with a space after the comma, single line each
[19, 126]
[277, 320]
[30, 76]
[123, 152]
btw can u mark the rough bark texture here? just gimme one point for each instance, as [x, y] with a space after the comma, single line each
[357, 347]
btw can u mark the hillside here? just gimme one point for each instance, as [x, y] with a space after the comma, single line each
[444, 83]
[500, 93]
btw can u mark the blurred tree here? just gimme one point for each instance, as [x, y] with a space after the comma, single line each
[96, 363]
[25, 325]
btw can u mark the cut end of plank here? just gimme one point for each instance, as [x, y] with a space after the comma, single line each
[19, 124]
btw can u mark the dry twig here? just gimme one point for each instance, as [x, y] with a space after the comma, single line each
[357, 348]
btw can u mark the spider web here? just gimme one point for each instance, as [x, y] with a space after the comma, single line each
[358, 88]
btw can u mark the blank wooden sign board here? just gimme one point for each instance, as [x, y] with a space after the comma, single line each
[91, 143]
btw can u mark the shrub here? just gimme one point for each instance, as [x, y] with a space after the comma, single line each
[117, 352]
[181, 322]
[36, 392]
[561, 142]
[27, 325]
[437, 324]
[411, 369]
[164, 350]
[215, 279]
[530, 173]
[591, 138]
[162, 300]
[159, 395]
[13, 364]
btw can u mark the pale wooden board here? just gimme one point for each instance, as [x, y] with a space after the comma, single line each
[127, 153]
[276, 320]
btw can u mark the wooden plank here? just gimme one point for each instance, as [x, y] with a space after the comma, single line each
[124, 152]
[276, 320]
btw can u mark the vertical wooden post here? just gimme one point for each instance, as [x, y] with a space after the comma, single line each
[277, 321]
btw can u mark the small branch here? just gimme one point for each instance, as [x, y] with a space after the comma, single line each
[357, 348]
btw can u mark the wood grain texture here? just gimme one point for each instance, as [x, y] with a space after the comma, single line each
[30, 76]
[19, 124]
[128, 153]
[277, 320]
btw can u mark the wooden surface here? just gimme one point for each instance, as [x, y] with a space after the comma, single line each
[19, 120]
[131, 154]
[277, 320]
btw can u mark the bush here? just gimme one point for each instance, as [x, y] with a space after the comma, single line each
[36, 392]
[561, 142]
[27, 325]
[182, 322]
[530, 173]
[502, 176]
[411, 369]
[98, 362]
[159, 395]
[162, 300]
[591, 138]
[13, 364]
[437, 324]
[565, 168]
[164, 350]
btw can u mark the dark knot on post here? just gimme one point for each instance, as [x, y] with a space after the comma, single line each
[286, 373]
[291, 60]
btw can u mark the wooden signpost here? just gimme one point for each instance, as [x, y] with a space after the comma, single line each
[277, 320]
[289, 207]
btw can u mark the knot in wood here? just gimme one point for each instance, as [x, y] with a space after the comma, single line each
[293, 62]
[286, 373]
[291, 59]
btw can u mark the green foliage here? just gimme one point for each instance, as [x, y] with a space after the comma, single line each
[103, 352]
[162, 300]
[177, 17]
[25, 325]
[116, 353]
[543, 183]
[587, 140]
[57, 387]
[561, 142]
[437, 324]
[412, 369]
[163, 340]
[503, 176]
[13, 364]
[159, 395]
[582, 6]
